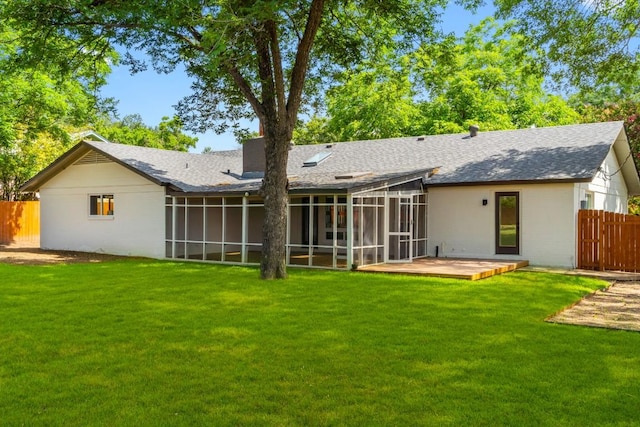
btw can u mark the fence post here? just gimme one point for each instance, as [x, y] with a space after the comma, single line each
[601, 234]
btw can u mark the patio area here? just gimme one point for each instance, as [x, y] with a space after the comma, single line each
[458, 268]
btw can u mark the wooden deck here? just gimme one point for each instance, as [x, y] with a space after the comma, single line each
[458, 268]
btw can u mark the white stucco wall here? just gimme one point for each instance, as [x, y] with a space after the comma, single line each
[462, 227]
[608, 187]
[137, 227]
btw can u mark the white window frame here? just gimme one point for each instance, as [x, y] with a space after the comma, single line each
[589, 198]
[102, 196]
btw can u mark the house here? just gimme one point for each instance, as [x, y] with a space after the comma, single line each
[499, 195]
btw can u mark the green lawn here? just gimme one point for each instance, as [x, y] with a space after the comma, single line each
[158, 343]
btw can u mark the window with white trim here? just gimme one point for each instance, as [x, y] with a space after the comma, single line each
[101, 205]
[588, 200]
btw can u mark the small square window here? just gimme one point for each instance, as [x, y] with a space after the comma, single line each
[101, 205]
[587, 203]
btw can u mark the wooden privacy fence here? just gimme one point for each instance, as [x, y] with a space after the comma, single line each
[19, 222]
[608, 241]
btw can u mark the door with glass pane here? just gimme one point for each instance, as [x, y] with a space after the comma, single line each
[508, 223]
[399, 235]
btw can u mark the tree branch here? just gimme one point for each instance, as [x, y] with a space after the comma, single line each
[265, 72]
[278, 75]
[246, 90]
[302, 61]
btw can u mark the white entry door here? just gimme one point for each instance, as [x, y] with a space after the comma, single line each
[399, 240]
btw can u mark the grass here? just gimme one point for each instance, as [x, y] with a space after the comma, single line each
[508, 236]
[158, 343]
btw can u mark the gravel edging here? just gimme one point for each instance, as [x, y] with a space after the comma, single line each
[615, 307]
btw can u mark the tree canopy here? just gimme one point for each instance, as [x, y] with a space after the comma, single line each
[39, 106]
[42, 106]
[490, 79]
[376, 102]
[132, 130]
[248, 58]
[587, 43]
[487, 78]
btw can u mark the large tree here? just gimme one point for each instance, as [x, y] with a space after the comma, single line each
[39, 106]
[374, 102]
[486, 78]
[248, 58]
[587, 42]
[489, 78]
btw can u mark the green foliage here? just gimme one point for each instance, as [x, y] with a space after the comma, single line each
[38, 107]
[624, 110]
[243, 135]
[141, 342]
[217, 43]
[490, 80]
[314, 131]
[588, 43]
[374, 102]
[131, 130]
[22, 160]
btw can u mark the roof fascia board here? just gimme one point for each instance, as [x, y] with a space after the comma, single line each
[172, 191]
[61, 163]
[502, 183]
[624, 156]
[83, 136]
[391, 182]
[318, 191]
[70, 157]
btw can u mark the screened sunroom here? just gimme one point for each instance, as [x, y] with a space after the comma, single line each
[338, 231]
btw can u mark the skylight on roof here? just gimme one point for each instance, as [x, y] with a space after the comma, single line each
[316, 159]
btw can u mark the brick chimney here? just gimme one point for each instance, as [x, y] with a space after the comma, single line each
[253, 160]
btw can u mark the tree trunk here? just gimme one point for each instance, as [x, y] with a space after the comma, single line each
[275, 194]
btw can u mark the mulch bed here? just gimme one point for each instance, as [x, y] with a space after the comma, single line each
[28, 254]
[616, 307]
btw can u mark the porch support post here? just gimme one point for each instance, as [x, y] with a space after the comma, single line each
[185, 244]
[287, 249]
[349, 230]
[174, 219]
[334, 228]
[310, 234]
[245, 224]
[224, 230]
[385, 227]
[204, 229]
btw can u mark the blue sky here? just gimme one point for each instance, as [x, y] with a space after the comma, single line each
[153, 95]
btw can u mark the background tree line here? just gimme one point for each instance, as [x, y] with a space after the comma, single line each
[43, 108]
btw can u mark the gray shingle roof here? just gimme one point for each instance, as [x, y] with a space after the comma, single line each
[563, 153]
[540, 154]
